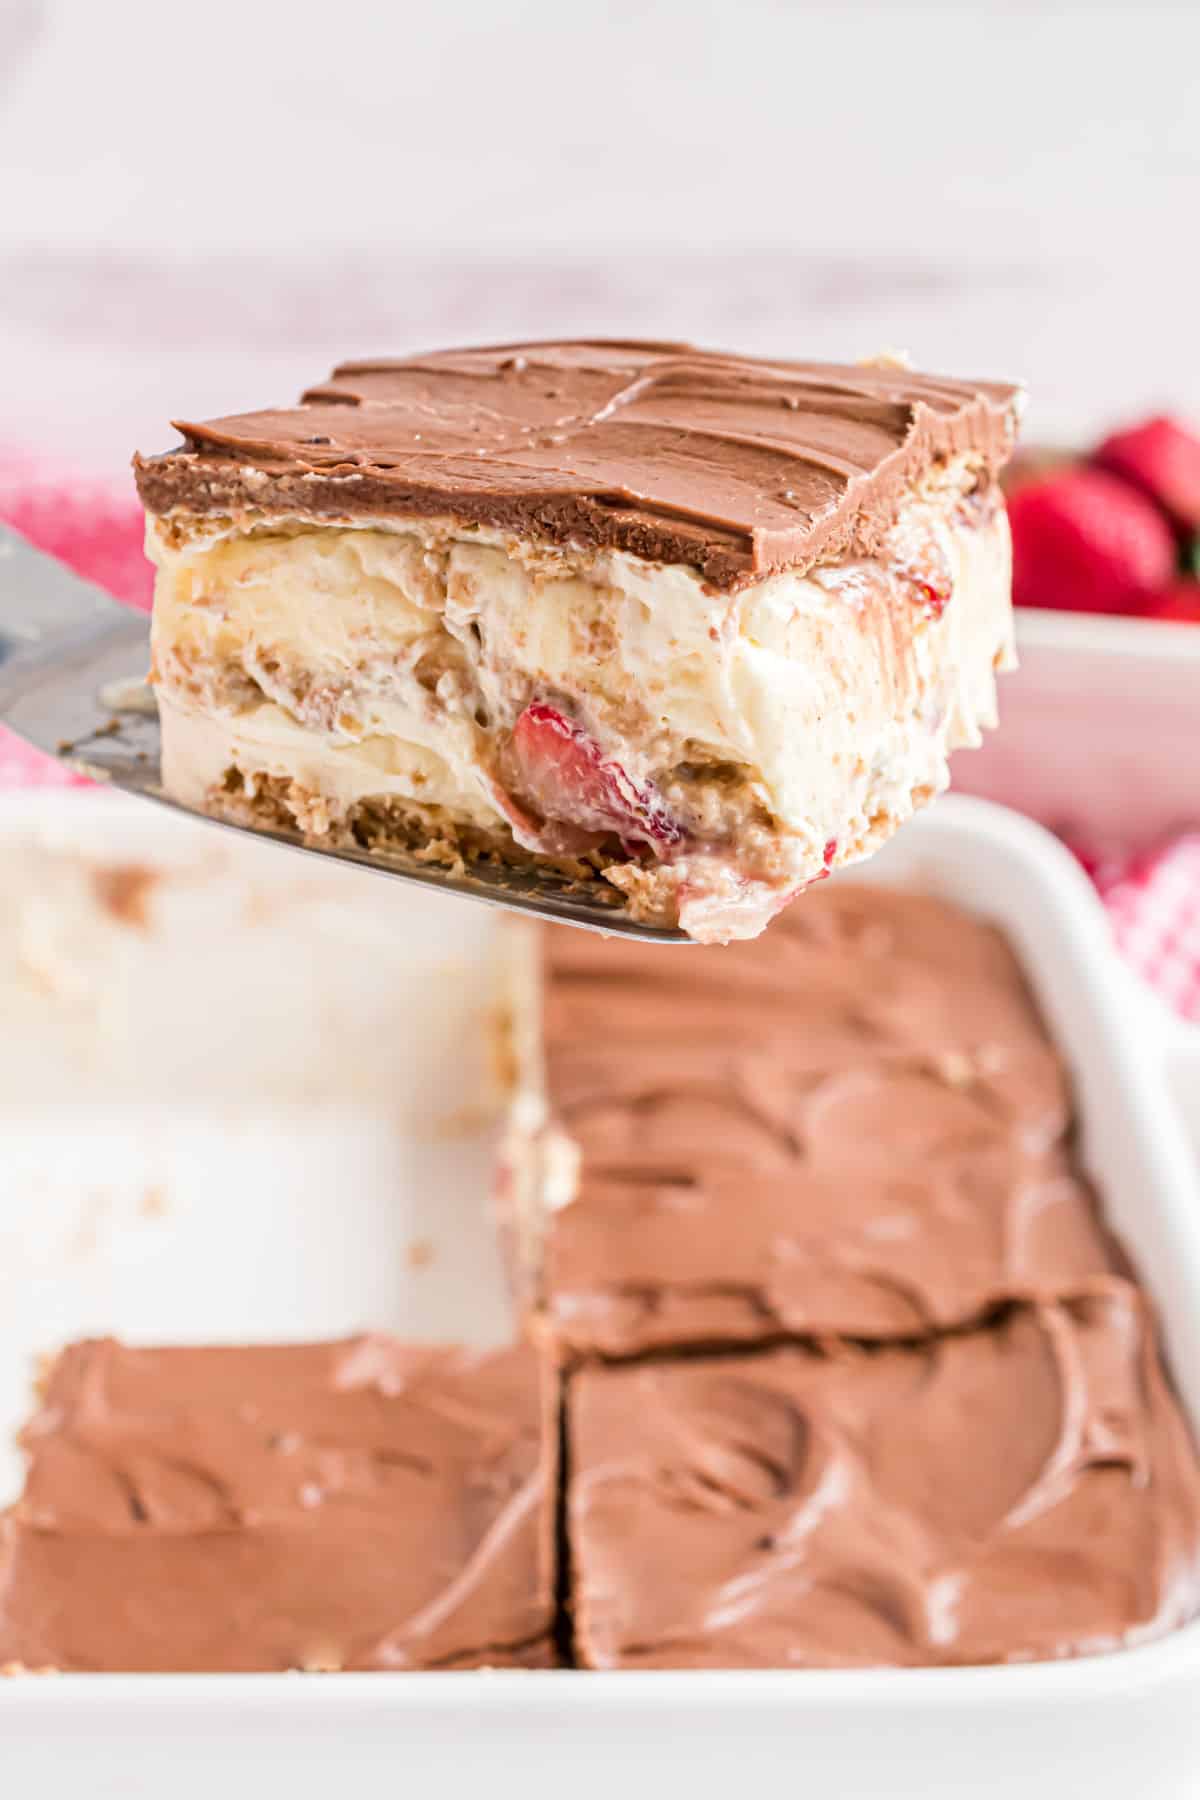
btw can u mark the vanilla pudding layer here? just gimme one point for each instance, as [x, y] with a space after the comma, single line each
[466, 693]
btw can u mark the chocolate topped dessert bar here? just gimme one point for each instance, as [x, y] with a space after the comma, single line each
[1021, 1492]
[686, 627]
[356, 1505]
[856, 1127]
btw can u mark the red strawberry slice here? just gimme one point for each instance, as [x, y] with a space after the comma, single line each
[566, 776]
[1162, 458]
[1084, 541]
[1180, 603]
[925, 571]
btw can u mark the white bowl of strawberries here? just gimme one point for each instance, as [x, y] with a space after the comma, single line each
[1100, 723]
[1115, 532]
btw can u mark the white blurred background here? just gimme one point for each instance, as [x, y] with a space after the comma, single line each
[203, 206]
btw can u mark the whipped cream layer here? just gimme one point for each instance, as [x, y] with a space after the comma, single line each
[735, 747]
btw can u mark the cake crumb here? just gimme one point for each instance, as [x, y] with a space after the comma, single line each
[886, 358]
[420, 1253]
[153, 1203]
[85, 1239]
[955, 1069]
[123, 890]
[463, 1121]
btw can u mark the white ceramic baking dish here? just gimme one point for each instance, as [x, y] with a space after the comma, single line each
[1119, 1725]
[1099, 728]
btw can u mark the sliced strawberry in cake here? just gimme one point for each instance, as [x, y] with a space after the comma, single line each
[566, 776]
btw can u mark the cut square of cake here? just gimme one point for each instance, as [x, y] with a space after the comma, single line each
[857, 1126]
[1018, 1493]
[683, 629]
[362, 1504]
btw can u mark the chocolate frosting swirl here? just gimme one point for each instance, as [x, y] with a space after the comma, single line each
[735, 465]
[364, 1504]
[855, 1125]
[1022, 1492]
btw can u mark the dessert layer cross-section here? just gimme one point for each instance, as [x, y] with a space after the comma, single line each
[1017, 1493]
[683, 628]
[363, 1504]
[856, 1126]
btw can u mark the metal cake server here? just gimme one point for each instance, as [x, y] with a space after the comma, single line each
[73, 665]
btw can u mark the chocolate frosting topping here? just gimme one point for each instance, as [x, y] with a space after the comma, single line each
[359, 1505]
[1022, 1492]
[735, 465]
[854, 1126]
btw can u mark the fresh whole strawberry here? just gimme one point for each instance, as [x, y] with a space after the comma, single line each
[567, 777]
[1179, 603]
[1084, 541]
[1162, 458]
